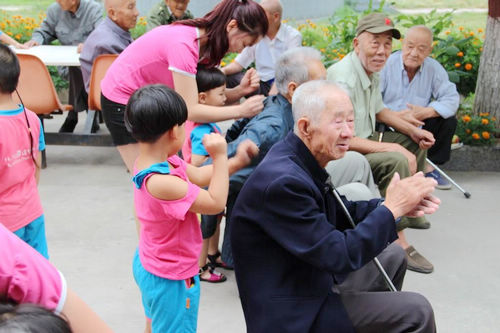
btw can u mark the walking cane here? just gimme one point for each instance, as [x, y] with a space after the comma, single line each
[381, 269]
[381, 127]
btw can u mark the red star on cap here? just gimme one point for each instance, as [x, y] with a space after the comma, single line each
[387, 21]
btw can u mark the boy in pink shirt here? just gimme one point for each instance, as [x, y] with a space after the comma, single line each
[167, 197]
[21, 139]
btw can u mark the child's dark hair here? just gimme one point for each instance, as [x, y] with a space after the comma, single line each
[30, 318]
[152, 111]
[209, 78]
[9, 70]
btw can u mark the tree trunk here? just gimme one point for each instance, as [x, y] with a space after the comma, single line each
[488, 80]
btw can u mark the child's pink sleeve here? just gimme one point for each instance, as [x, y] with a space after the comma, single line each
[27, 277]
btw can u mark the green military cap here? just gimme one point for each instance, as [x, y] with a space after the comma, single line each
[377, 23]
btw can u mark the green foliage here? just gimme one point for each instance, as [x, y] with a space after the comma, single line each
[139, 29]
[475, 130]
[59, 82]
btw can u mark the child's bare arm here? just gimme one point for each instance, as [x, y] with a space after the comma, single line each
[197, 159]
[214, 199]
[245, 152]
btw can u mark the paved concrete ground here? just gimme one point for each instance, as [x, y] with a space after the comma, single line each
[87, 198]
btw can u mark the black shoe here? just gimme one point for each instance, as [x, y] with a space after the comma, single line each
[95, 127]
[68, 126]
[69, 123]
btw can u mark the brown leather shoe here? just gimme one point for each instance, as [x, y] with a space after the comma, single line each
[417, 262]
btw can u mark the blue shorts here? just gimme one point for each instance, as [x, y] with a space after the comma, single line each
[34, 234]
[171, 305]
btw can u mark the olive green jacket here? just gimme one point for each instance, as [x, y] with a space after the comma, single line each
[160, 15]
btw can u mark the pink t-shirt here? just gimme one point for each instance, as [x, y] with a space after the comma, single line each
[151, 59]
[19, 200]
[27, 277]
[170, 239]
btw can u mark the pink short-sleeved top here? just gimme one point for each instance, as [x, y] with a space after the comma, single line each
[151, 59]
[27, 277]
[19, 199]
[170, 239]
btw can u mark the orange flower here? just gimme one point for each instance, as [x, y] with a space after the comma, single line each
[460, 28]
[467, 131]
[471, 33]
[466, 119]
[484, 114]
[468, 67]
[485, 121]
[479, 30]
[460, 54]
[475, 136]
[322, 50]
[457, 65]
[18, 36]
[481, 49]
[447, 32]
[486, 135]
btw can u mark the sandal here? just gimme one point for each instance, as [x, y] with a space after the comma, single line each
[213, 261]
[215, 277]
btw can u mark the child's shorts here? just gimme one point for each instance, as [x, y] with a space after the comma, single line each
[34, 234]
[171, 305]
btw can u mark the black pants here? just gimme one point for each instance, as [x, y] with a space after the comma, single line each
[443, 130]
[372, 308]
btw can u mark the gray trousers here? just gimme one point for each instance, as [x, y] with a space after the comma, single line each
[352, 175]
[372, 308]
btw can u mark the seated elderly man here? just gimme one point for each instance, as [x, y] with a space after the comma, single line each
[279, 38]
[294, 67]
[167, 12]
[419, 87]
[112, 36]
[70, 22]
[299, 266]
[403, 151]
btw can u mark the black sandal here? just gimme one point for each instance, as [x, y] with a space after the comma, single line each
[213, 261]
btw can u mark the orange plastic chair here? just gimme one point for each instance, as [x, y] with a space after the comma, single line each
[36, 87]
[99, 68]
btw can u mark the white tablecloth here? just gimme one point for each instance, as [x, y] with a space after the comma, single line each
[54, 55]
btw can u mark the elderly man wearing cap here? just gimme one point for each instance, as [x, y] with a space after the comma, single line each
[402, 151]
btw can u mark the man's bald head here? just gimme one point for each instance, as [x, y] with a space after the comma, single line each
[123, 12]
[272, 6]
[420, 31]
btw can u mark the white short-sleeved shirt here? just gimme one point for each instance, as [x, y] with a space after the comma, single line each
[267, 51]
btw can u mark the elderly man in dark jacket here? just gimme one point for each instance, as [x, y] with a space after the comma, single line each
[292, 245]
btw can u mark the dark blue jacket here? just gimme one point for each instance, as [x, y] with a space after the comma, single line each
[291, 242]
[265, 129]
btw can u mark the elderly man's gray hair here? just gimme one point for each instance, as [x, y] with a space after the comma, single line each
[309, 100]
[292, 66]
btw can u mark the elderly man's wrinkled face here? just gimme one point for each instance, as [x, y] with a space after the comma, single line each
[68, 4]
[177, 7]
[330, 137]
[417, 46]
[125, 14]
[373, 50]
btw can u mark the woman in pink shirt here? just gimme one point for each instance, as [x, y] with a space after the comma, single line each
[170, 55]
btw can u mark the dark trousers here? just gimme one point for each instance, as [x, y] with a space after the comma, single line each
[443, 130]
[77, 97]
[372, 308]
[235, 79]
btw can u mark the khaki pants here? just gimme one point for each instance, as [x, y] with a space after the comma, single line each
[384, 165]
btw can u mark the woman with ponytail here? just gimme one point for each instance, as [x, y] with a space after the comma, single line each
[170, 55]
